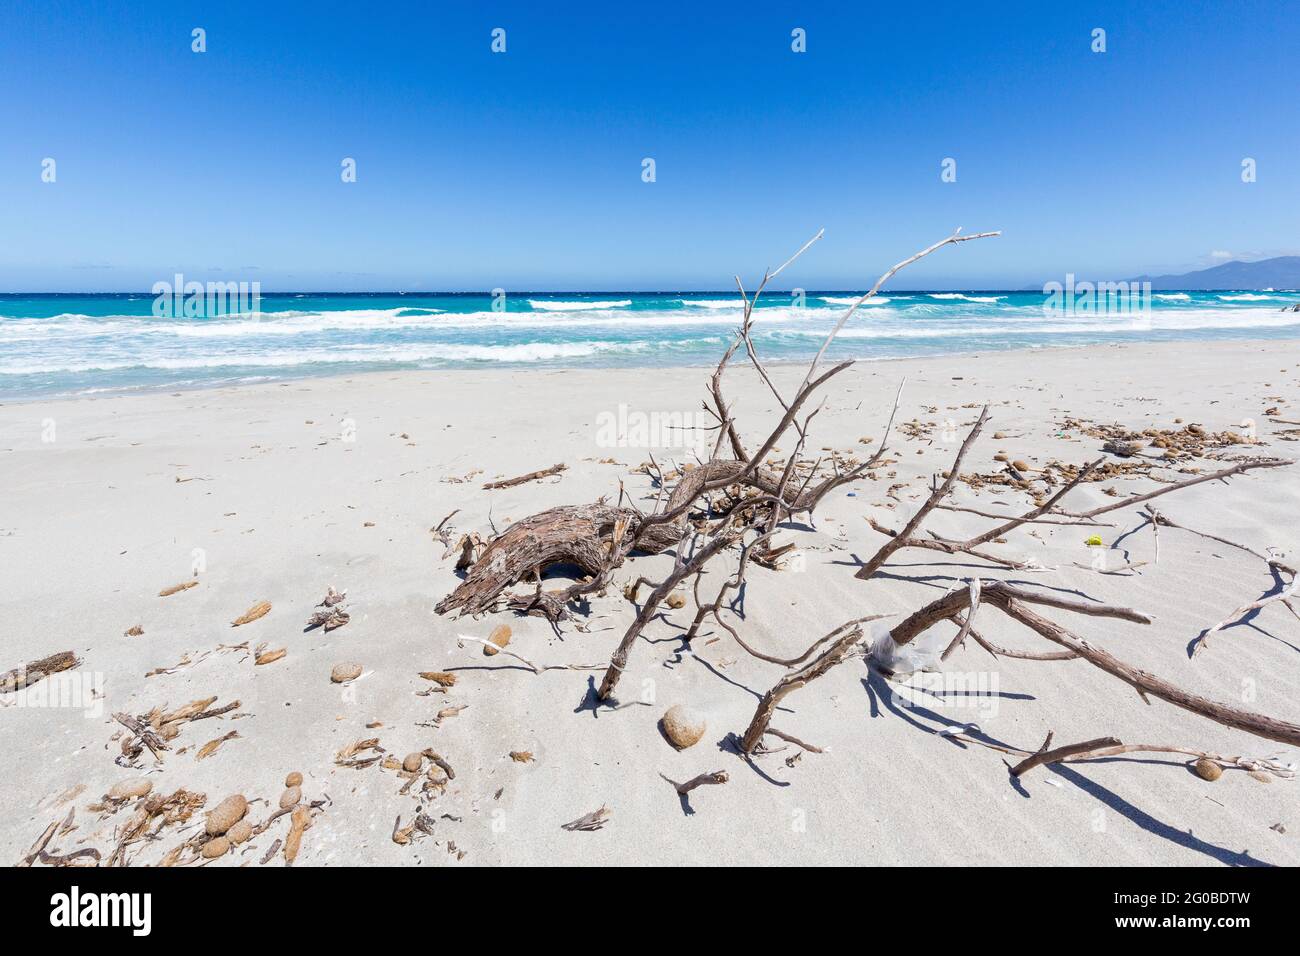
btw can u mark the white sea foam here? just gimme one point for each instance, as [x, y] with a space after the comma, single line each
[1249, 297]
[1120, 323]
[966, 298]
[521, 352]
[714, 303]
[850, 299]
[545, 306]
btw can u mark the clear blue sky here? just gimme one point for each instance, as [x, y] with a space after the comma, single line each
[523, 170]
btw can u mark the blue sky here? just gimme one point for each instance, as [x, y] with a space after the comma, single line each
[523, 170]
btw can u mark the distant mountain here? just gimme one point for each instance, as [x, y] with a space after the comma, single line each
[1282, 272]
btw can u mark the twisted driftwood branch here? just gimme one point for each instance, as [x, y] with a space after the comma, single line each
[791, 682]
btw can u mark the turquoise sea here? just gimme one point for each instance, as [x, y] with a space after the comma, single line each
[92, 344]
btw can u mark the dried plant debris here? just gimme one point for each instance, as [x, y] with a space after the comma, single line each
[422, 825]
[177, 588]
[1056, 473]
[299, 821]
[448, 712]
[591, 821]
[440, 677]
[258, 610]
[348, 756]
[135, 630]
[153, 730]
[151, 815]
[522, 756]
[189, 661]
[122, 793]
[39, 853]
[211, 747]
[461, 479]
[470, 547]
[1189, 441]
[329, 613]
[28, 674]
[269, 657]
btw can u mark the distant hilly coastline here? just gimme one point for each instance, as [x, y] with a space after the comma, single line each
[1279, 273]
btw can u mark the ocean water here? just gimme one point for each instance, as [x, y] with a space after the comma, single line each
[93, 344]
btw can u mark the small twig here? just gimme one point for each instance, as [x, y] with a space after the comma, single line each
[536, 669]
[1286, 593]
[718, 776]
[531, 476]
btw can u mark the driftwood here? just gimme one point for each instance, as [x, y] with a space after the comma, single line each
[909, 537]
[1147, 684]
[577, 535]
[1226, 473]
[738, 498]
[791, 682]
[1015, 602]
[1106, 747]
[682, 569]
[1061, 753]
[1285, 594]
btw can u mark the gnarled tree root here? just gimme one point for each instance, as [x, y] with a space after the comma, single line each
[572, 534]
[580, 535]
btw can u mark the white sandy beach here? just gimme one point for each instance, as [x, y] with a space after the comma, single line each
[283, 490]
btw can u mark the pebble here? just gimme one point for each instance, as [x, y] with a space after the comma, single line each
[129, 789]
[682, 726]
[240, 832]
[500, 636]
[226, 814]
[215, 848]
[345, 672]
[1207, 769]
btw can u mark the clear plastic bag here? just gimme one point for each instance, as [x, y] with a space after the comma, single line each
[907, 659]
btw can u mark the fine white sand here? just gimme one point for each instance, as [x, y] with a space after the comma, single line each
[262, 487]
